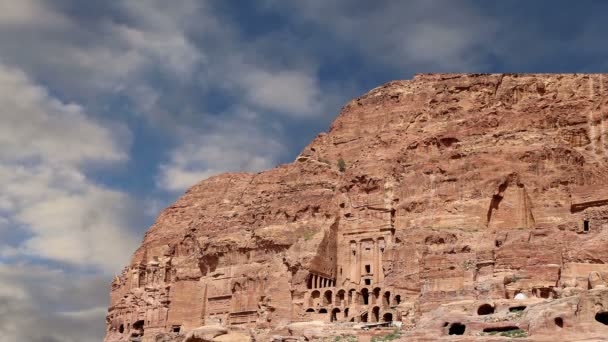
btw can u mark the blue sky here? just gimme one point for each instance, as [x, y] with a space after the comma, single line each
[109, 110]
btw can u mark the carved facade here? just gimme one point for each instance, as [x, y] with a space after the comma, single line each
[464, 197]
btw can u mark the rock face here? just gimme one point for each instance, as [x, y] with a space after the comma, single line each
[450, 203]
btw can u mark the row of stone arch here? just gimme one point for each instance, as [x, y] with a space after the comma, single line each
[137, 329]
[363, 297]
[337, 314]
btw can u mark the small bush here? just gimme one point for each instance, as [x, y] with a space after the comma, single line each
[514, 333]
[516, 278]
[341, 165]
[468, 264]
[395, 335]
[308, 235]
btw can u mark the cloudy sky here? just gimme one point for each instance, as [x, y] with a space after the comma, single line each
[109, 110]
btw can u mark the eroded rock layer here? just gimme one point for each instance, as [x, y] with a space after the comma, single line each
[438, 204]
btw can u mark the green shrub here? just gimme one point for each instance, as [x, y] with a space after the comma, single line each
[341, 165]
[514, 333]
[395, 335]
[308, 234]
[516, 278]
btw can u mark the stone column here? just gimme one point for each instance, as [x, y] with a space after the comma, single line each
[381, 247]
[134, 281]
[358, 264]
[375, 263]
[352, 261]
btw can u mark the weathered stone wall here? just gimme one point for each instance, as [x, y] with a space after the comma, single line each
[456, 189]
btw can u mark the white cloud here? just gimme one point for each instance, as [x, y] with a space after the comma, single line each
[175, 178]
[236, 145]
[170, 50]
[70, 219]
[44, 145]
[185, 41]
[7, 251]
[29, 13]
[426, 36]
[291, 92]
[40, 304]
[443, 44]
[36, 125]
[99, 54]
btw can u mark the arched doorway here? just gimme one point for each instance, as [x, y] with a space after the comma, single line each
[334, 314]
[397, 299]
[485, 309]
[387, 317]
[364, 296]
[364, 317]
[327, 297]
[376, 314]
[346, 312]
[314, 298]
[386, 299]
[352, 296]
[340, 298]
[602, 317]
[457, 329]
[139, 328]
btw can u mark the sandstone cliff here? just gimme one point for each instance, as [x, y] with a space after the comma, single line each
[450, 203]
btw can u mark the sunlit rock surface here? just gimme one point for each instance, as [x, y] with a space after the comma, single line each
[449, 204]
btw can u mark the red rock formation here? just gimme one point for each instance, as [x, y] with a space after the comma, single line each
[436, 202]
